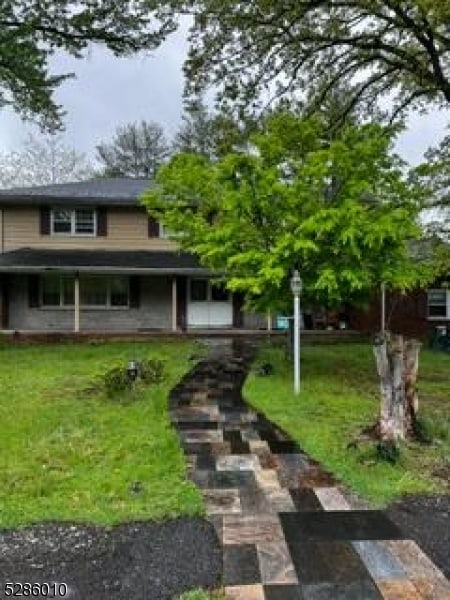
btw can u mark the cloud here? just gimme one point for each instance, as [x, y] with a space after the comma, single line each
[422, 132]
[110, 91]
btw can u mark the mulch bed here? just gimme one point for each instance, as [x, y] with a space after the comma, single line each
[139, 561]
[425, 519]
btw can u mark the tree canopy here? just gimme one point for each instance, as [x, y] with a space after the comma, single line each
[41, 161]
[137, 150]
[209, 133]
[341, 210]
[375, 48]
[31, 31]
[435, 174]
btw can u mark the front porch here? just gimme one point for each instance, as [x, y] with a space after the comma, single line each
[110, 292]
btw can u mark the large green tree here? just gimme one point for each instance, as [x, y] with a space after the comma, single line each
[31, 31]
[340, 209]
[258, 49]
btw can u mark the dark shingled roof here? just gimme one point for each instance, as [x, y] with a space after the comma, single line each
[97, 261]
[111, 192]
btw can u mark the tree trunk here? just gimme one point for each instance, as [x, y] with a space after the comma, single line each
[397, 365]
[412, 349]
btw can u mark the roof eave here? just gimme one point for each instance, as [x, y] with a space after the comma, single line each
[8, 201]
[23, 269]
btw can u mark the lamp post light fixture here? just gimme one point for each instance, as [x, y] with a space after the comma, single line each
[132, 370]
[296, 289]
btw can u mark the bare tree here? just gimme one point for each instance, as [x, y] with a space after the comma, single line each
[43, 160]
[137, 150]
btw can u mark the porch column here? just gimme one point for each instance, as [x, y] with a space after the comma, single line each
[76, 289]
[269, 321]
[174, 304]
[4, 302]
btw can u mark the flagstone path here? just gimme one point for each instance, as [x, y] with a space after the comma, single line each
[288, 532]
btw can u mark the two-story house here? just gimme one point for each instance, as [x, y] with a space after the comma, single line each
[87, 257]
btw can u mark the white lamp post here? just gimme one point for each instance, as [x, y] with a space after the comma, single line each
[296, 288]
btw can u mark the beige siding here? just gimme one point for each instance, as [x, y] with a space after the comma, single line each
[127, 230]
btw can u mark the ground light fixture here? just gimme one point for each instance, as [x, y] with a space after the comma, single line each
[296, 289]
[132, 370]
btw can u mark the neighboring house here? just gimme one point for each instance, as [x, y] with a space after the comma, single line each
[416, 313]
[86, 256]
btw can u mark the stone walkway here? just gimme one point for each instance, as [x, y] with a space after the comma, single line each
[288, 532]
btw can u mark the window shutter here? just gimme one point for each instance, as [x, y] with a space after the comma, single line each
[33, 291]
[153, 228]
[102, 222]
[181, 302]
[238, 317]
[135, 291]
[45, 220]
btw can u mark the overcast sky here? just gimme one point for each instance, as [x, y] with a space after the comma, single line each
[108, 92]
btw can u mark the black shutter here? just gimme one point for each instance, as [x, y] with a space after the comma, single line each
[4, 301]
[238, 302]
[135, 291]
[181, 302]
[153, 228]
[102, 222]
[45, 220]
[33, 291]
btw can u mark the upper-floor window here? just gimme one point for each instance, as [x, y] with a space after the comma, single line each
[75, 221]
[439, 304]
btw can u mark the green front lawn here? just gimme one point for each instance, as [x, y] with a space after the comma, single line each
[70, 454]
[339, 397]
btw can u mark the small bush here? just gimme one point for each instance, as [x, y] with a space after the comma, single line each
[116, 381]
[422, 431]
[388, 451]
[263, 369]
[151, 370]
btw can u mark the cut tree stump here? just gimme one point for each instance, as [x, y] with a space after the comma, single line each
[397, 364]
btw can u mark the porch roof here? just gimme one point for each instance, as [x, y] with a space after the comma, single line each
[30, 260]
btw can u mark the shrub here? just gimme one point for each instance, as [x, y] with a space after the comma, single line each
[151, 370]
[422, 431]
[388, 451]
[116, 381]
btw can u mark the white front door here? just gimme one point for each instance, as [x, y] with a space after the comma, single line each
[209, 305]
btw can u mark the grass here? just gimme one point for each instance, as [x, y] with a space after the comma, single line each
[70, 455]
[339, 397]
[200, 594]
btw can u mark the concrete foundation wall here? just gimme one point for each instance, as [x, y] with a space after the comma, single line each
[154, 312]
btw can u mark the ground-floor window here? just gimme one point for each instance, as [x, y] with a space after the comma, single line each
[57, 290]
[439, 304]
[95, 291]
[204, 290]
